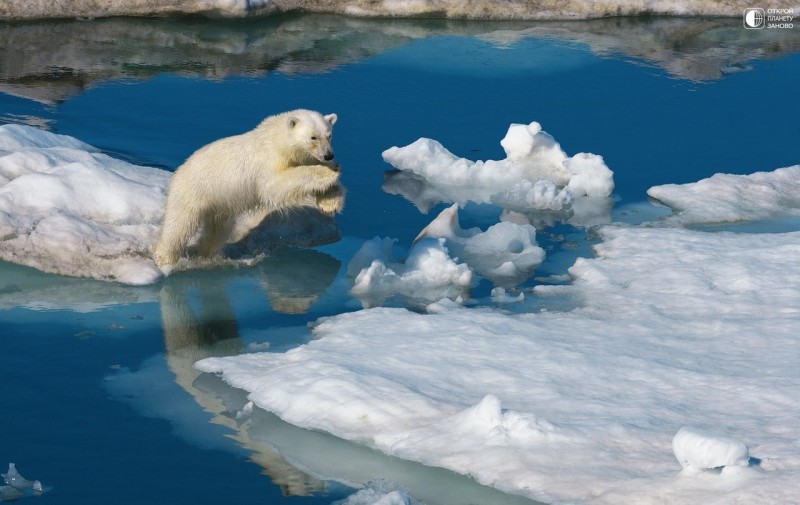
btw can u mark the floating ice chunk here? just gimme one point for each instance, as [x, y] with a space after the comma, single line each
[506, 253]
[698, 450]
[726, 198]
[589, 176]
[536, 173]
[17, 485]
[427, 274]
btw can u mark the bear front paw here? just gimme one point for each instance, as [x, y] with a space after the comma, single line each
[331, 201]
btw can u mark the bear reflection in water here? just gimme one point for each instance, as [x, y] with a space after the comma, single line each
[199, 321]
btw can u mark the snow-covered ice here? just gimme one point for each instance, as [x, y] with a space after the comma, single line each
[535, 175]
[727, 198]
[67, 208]
[674, 328]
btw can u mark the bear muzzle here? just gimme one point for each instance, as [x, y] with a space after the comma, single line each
[328, 156]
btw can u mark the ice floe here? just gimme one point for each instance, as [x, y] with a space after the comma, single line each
[69, 209]
[727, 198]
[427, 273]
[442, 260]
[673, 328]
[18, 486]
[506, 253]
[535, 175]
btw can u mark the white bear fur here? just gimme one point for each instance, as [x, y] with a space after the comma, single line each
[284, 162]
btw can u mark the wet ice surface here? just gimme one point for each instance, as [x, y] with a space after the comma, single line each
[661, 369]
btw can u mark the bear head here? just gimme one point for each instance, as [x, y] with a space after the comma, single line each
[311, 133]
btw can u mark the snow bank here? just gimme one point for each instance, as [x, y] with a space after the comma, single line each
[726, 198]
[480, 9]
[674, 328]
[535, 175]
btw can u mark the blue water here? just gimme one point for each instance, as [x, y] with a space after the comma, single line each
[93, 402]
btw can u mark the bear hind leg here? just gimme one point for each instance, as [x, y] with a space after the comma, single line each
[175, 235]
[216, 231]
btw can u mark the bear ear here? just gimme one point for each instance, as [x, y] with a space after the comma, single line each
[292, 122]
[331, 119]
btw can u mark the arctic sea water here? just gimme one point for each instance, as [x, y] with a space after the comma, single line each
[99, 398]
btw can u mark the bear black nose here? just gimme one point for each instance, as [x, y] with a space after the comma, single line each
[328, 156]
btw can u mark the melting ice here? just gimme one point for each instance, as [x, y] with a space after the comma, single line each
[673, 380]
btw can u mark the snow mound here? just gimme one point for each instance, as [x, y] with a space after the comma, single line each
[66, 208]
[726, 198]
[698, 450]
[535, 175]
[428, 273]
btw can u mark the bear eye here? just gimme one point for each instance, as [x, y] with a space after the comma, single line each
[313, 138]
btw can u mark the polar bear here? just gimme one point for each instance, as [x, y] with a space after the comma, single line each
[285, 162]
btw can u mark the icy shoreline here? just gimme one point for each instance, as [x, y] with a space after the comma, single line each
[453, 9]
